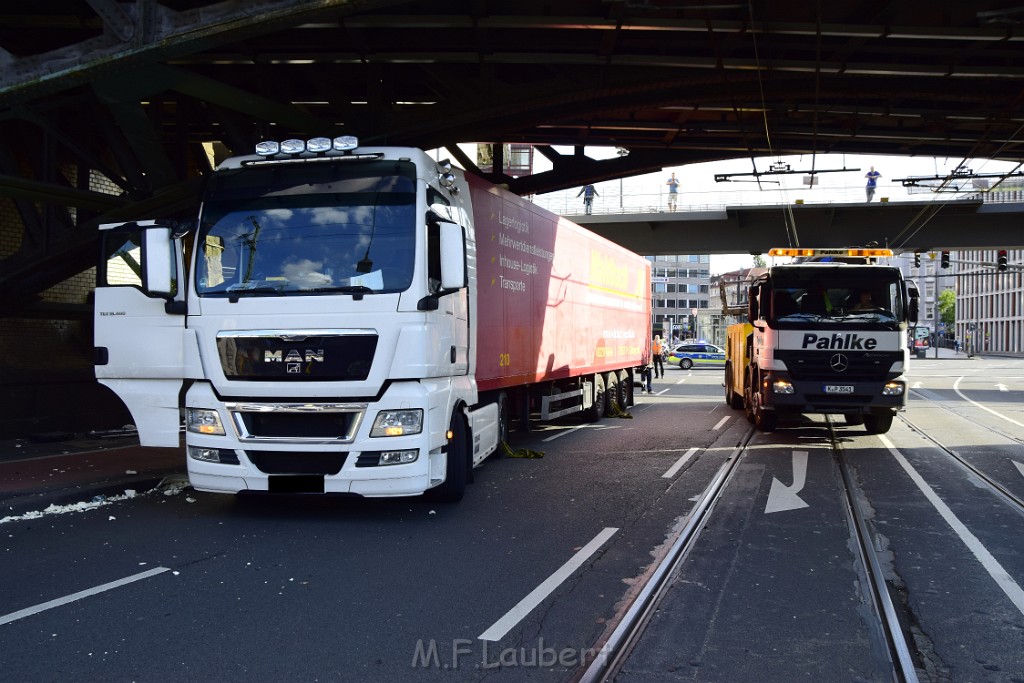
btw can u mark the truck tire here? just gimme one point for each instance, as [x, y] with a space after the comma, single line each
[626, 386]
[878, 423]
[457, 466]
[765, 420]
[733, 399]
[612, 404]
[853, 419]
[596, 411]
[504, 424]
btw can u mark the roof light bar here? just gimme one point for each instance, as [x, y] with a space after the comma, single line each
[319, 145]
[831, 252]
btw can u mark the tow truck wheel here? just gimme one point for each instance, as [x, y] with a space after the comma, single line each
[765, 420]
[457, 466]
[731, 397]
[878, 423]
[853, 419]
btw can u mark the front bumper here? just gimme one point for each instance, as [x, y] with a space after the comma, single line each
[832, 396]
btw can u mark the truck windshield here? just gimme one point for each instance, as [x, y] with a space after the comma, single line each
[855, 296]
[308, 228]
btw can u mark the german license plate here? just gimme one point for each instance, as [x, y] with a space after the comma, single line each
[838, 389]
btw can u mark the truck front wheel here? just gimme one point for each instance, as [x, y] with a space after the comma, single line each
[878, 423]
[457, 465]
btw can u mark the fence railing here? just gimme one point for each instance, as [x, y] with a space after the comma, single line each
[567, 204]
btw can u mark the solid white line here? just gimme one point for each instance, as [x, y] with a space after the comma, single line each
[526, 605]
[991, 564]
[956, 388]
[671, 472]
[559, 435]
[722, 422]
[29, 611]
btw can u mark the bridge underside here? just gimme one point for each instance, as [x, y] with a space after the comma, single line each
[111, 110]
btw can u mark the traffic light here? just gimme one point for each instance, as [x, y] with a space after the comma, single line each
[917, 259]
[1001, 260]
[944, 262]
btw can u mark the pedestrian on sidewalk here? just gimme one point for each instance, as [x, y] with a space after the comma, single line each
[658, 356]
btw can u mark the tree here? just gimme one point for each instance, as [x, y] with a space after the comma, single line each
[947, 308]
[759, 261]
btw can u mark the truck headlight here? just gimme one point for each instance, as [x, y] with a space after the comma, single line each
[398, 422]
[781, 386]
[203, 421]
[893, 389]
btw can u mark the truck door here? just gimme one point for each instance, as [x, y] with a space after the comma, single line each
[140, 323]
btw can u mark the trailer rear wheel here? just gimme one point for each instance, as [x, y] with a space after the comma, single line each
[504, 422]
[596, 411]
[458, 464]
[613, 402]
[626, 385]
[878, 423]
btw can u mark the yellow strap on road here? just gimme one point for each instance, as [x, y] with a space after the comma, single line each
[521, 452]
[616, 411]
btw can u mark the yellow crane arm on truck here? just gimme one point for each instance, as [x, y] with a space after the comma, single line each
[738, 341]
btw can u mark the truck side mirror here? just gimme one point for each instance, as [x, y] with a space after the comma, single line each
[453, 257]
[752, 295]
[158, 261]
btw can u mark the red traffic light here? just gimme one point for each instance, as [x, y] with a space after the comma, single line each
[1001, 260]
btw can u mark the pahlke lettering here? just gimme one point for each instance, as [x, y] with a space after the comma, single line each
[847, 342]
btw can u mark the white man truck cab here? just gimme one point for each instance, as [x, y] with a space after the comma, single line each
[826, 334]
[359, 320]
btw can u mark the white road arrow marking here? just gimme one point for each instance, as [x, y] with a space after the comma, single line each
[915, 385]
[1019, 466]
[782, 497]
[1002, 387]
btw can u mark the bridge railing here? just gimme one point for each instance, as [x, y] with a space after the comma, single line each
[568, 204]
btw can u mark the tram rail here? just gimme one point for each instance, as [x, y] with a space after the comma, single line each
[615, 651]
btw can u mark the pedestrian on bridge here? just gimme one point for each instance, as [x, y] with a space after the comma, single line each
[673, 192]
[588, 192]
[872, 177]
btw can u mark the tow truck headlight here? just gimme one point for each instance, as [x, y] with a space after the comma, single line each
[781, 386]
[398, 422]
[203, 421]
[893, 389]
